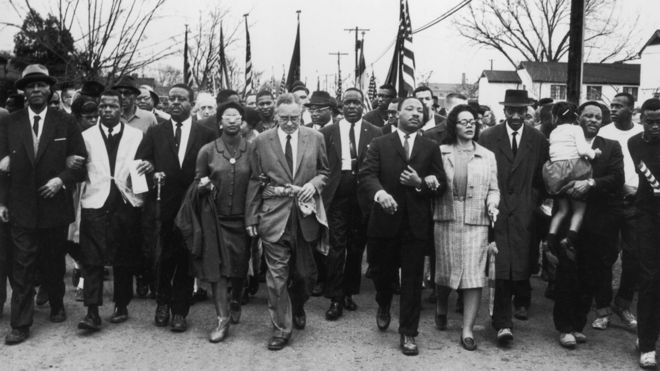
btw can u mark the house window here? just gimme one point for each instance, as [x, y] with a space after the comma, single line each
[594, 92]
[632, 90]
[558, 92]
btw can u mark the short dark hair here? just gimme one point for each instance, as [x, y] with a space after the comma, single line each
[398, 107]
[422, 88]
[652, 104]
[452, 121]
[191, 93]
[565, 112]
[587, 104]
[389, 87]
[629, 98]
[265, 92]
[111, 93]
[231, 104]
[354, 89]
[223, 95]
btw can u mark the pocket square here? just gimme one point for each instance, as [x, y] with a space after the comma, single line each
[58, 139]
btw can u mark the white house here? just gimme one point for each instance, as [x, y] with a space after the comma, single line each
[493, 84]
[649, 58]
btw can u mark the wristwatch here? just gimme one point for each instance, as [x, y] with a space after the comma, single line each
[591, 182]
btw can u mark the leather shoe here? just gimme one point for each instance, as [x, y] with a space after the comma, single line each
[90, 323]
[349, 304]
[58, 315]
[16, 336]
[441, 321]
[119, 315]
[468, 343]
[408, 346]
[234, 311]
[179, 323]
[521, 313]
[162, 315]
[219, 333]
[383, 317]
[277, 343]
[504, 336]
[335, 311]
[299, 319]
[318, 289]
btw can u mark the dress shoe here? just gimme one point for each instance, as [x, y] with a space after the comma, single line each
[162, 315]
[468, 343]
[335, 311]
[441, 321]
[234, 311]
[16, 336]
[521, 313]
[119, 315]
[504, 336]
[299, 319]
[408, 346]
[90, 323]
[383, 317]
[179, 323]
[277, 343]
[142, 289]
[349, 304]
[58, 315]
[219, 333]
[567, 340]
[318, 289]
[42, 296]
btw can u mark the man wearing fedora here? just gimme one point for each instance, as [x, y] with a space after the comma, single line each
[346, 144]
[322, 108]
[520, 153]
[131, 114]
[148, 100]
[36, 198]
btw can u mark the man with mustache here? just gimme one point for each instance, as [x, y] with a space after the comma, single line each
[520, 153]
[394, 175]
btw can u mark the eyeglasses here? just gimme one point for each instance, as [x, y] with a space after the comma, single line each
[467, 122]
[317, 109]
[285, 119]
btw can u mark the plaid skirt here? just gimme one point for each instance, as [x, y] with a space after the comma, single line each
[557, 174]
[460, 252]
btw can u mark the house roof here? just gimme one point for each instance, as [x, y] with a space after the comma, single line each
[654, 40]
[502, 76]
[593, 73]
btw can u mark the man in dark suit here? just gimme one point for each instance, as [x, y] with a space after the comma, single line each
[520, 153]
[346, 145]
[322, 109]
[394, 175]
[36, 198]
[171, 148]
[378, 116]
[589, 275]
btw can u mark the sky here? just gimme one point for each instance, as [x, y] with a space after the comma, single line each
[439, 51]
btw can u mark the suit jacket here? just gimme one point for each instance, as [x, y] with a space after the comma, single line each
[381, 170]
[439, 132]
[271, 214]
[333, 148]
[520, 182]
[158, 148]
[96, 187]
[481, 193]
[60, 138]
[376, 118]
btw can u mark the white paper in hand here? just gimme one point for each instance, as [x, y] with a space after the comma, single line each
[139, 182]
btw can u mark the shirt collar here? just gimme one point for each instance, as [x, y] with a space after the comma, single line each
[402, 134]
[184, 124]
[358, 123]
[41, 114]
[282, 134]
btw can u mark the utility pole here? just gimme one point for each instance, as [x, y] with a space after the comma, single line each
[338, 54]
[575, 49]
[357, 29]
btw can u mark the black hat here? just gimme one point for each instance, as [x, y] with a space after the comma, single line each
[322, 98]
[152, 93]
[127, 82]
[544, 101]
[516, 98]
[92, 89]
[34, 73]
[230, 104]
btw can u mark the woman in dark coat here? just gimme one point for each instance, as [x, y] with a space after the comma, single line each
[223, 168]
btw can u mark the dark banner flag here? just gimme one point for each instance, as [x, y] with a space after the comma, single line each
[294, 66]
[222, 60]
[402, 70]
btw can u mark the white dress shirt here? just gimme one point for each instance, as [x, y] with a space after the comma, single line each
[411, 140]
[294, 146]
[344, 132]
[510, 131]
[186, 125]
[115, 130]
[42, 116]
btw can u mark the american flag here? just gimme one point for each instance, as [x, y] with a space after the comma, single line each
[402, 70]
[283, 84]
[248, 62]
[371, 94]
[339, 90]
[187, 75]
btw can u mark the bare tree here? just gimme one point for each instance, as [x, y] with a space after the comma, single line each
[168, 76]
[109, 35]
[537, 30]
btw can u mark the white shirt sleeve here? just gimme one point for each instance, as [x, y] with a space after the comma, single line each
[583, 147]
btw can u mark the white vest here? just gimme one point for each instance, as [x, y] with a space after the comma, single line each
[96, 188]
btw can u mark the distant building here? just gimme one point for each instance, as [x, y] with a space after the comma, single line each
[649, 57]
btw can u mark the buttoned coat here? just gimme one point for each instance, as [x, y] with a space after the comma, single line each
[271, 214]
[482, 190]
[520, 183]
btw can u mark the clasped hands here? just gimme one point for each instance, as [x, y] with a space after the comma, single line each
[305, 194]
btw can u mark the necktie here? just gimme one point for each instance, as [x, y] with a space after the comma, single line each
[514, 143]
[35, 125]
[406, 146]
[288, 153]
[177, 135]
[110, 132]
[351, 139]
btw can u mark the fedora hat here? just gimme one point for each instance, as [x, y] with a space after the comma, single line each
[127, 82]
[516, 98]
[152, 93]
[34, 73]
[322, 98]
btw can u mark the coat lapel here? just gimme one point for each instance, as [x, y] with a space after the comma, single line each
[524, 148]
[336, 139]
[415, 149]
[364, 141]
[503, 144]
[396, 142]
[302, 145]
[194, 132]
[47, 135]
[168, 132]
[100, 148]
[26, 135]
[276, 147]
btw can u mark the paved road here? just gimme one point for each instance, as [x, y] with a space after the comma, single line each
[353, 342]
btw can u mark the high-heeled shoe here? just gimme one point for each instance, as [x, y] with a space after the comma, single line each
[219, 333]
